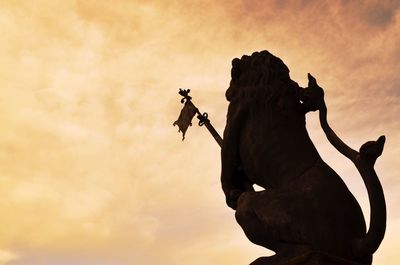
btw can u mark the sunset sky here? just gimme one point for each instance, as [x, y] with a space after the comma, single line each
[92, 172]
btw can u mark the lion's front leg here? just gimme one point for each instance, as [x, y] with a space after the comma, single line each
[233, 179]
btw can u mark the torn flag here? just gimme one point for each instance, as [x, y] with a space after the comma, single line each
[185, 117]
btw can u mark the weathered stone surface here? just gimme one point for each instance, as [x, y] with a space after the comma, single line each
[305, 205]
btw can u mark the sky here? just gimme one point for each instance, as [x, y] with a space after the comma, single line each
[92, 172]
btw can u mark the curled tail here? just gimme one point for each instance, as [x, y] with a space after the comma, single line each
[364, 160]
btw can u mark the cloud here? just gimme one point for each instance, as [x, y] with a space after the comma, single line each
[7, 256]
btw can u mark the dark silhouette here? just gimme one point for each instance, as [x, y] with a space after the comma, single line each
[187, 113]
[306, 214]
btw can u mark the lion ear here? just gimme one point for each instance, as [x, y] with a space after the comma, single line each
[311, 80]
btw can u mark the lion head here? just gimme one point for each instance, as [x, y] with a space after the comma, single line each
[262, 79]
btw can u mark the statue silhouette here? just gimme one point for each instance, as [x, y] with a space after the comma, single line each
[306, 214]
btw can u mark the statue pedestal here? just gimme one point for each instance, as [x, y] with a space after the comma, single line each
[318, 258]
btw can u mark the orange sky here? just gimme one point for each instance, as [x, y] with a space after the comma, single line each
[91, 169]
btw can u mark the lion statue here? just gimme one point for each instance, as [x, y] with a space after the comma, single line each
[305, 206]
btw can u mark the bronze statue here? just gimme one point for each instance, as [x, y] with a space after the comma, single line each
[306, 214]
[305, 207]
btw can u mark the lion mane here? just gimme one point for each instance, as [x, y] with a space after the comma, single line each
[263, 79]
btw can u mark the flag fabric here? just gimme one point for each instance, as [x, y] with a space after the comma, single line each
[185, 117]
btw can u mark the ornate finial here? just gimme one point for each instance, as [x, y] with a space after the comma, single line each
[185, 94]
[203, 118]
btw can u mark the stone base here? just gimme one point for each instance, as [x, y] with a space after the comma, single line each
[318, 258]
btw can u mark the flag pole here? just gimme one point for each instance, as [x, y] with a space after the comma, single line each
[203, 118]
[184, 121]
